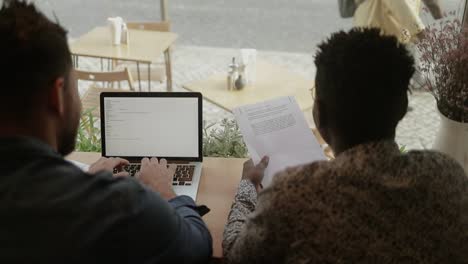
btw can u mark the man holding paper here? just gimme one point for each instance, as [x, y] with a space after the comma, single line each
[372, 204]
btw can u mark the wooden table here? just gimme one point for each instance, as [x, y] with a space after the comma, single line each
[272, 81]
[218, 185]
[143, 47]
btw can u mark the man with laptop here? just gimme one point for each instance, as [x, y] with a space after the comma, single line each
[53, 212]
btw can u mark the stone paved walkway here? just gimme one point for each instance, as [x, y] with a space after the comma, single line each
[190, 63]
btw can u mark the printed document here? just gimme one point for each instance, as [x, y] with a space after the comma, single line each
[278, 129]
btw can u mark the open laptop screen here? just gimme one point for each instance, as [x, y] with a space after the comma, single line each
[146, 126]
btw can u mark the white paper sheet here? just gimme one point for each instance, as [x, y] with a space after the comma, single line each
[278, 129]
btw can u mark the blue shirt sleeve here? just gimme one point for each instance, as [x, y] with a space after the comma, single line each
[153, 230]
[194, 240]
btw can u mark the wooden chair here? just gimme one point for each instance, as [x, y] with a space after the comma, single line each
[163, 26]
[90, 100]
[157, 73]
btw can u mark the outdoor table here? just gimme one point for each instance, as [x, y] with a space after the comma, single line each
[272, 81]
[143, 47]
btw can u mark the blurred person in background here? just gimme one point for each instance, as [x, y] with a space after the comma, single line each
[400, 18]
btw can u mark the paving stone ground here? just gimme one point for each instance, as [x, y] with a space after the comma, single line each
[416, 131]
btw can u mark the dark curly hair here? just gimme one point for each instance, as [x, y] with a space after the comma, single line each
[362, 82]
[34, 54]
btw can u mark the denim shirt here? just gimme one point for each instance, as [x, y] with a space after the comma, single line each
[52, 212]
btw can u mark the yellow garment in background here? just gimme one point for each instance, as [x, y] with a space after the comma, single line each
[399, 18]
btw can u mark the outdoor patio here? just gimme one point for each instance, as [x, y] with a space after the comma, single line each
[190, 63]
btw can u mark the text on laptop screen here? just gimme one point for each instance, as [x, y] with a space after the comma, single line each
[151, 127]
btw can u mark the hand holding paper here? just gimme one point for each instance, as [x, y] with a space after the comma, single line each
[277, 129]
[255, 173]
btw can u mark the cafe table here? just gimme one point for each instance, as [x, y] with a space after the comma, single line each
[143, 47]
[272, 81]
[218, 185]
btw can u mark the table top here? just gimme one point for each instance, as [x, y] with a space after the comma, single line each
[218, 185]
[144, 45]
[272, 81]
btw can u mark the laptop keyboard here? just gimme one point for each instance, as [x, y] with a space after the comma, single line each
[182, 177]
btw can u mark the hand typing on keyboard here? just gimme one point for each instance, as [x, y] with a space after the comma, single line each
[158, 176]
[109, 164]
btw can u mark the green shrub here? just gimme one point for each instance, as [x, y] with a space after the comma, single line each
[89, 135]
[223, 142]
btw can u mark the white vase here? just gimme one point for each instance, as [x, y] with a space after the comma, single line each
[452, 139]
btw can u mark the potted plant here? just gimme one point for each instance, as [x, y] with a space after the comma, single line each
[444, 65]
[225, 140]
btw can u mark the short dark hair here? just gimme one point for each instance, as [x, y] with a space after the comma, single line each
[362, 81]
[34, 53]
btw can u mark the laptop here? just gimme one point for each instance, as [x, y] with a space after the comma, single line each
[135, 125]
